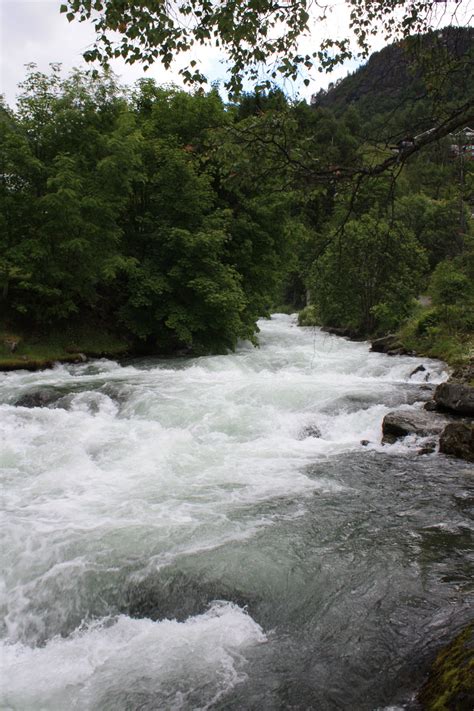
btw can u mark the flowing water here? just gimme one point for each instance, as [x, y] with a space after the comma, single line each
[211, 534]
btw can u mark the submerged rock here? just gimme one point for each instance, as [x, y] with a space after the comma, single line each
[309, 431]
[40, 398]
[450, 683]
[457, 439]
[428, 448]
[176, 595]
[455, 397]
[401, 423]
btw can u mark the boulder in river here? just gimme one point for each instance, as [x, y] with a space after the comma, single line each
[385, 344]
[458, 439]
[419, 369]
[455, 397]
[341, 331]
[39, 398]
[401, 423]
[463, 373]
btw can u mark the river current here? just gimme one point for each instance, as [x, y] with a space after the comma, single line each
[210, 533]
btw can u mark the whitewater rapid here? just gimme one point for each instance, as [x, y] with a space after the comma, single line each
[143, 507]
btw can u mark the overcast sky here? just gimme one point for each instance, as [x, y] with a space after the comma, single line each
[35, 31]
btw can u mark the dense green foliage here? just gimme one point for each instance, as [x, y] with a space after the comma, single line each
[367, 277]
[175, 221]
[407, 87]
[141, 212]
[253, 34]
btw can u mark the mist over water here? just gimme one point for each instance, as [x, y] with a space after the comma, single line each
[210, 534]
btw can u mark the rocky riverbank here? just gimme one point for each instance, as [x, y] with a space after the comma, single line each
[447, 419]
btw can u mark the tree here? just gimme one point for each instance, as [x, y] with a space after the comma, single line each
[68, 157]
[261, 40]
[452, 291]
[251, 32]
[367, 278]
[435, 224]
[19, 170]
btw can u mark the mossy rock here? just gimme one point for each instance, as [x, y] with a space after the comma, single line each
[450, 684]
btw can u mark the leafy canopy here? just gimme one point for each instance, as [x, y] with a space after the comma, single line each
[252, 33]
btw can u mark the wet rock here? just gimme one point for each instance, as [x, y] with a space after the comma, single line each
[428, 448]
[385, 344]
[344, 332]
[401, 423]
[455, 397]
[419, 393]
[364, 442]
[40, 398]
[76, 356]
[419, 369]
[430, 406]
[390, 345]
[450, 683]
[464, 374]
[309, 431]
[457, 439]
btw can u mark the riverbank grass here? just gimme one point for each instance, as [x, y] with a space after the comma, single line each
[32, 351]
[432, 336]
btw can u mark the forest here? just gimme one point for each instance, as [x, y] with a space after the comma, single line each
[156, 220]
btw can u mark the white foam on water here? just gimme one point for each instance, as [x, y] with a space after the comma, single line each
[105, 664]
[141, 464]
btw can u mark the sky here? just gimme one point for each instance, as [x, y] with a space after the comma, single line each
[35, 31]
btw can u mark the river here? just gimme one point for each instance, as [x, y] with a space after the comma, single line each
[210, 533]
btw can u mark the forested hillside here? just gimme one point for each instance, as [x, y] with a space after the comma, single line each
[155, 220]
[414, 81]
